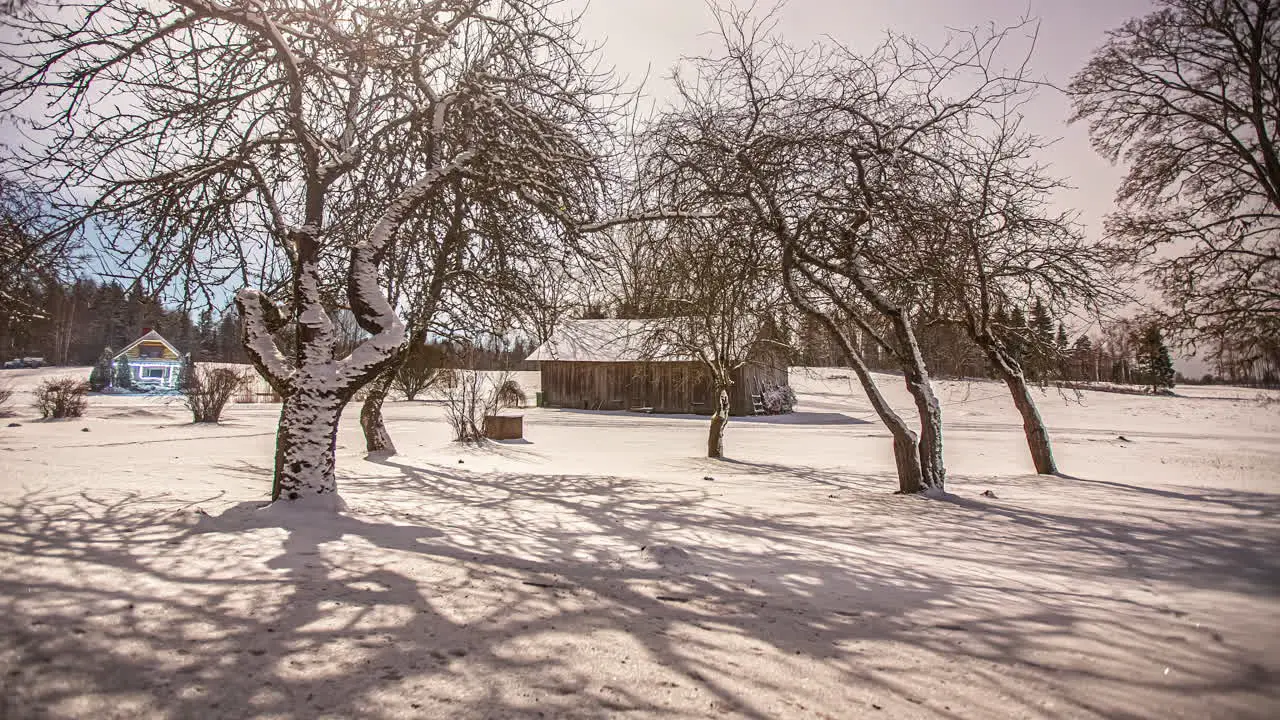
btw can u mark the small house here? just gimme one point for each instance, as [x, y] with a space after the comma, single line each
[623, 365]
[153, 361]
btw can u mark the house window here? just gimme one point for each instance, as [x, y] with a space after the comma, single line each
[151, 351]
[153, 373]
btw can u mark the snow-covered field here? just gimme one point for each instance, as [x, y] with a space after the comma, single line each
[602, 569]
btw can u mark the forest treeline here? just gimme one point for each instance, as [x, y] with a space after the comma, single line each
[82, 318]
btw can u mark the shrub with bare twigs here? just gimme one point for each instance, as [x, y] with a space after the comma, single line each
[61, 397]
[471, 395]
[510, 394]
[6, 395]
[465, 406]
[209, 390]
[422, 369]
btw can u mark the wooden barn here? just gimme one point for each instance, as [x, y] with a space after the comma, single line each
[616, 365]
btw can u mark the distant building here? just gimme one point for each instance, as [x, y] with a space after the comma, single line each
[153, 361]
[617, 365]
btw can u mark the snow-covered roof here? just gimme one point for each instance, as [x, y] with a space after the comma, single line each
[608, 341]
[149, 336]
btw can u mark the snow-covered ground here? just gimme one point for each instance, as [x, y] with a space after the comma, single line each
[602, 569]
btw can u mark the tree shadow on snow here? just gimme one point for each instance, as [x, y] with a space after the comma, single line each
[444, 591]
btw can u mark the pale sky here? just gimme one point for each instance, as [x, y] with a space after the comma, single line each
[651, 36]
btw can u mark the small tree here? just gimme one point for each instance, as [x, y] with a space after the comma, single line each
[187, 379]
[124, 375]
[61, 397]
[421, 369]
[101, 375]
[467, 401]
[1154, 361]
[209, 390]
[509, 394]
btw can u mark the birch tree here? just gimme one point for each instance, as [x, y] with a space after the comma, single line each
[216, 139]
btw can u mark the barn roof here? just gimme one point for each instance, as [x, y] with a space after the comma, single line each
[608, 341]
[148, 336]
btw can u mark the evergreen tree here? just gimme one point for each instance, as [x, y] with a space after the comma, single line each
[1154, 362]
[187, 374]
[100, 376]
[206, 334]
[1040, 352]
[1017, 337]
[1082, 359]
[1041, 325]
[124, 375]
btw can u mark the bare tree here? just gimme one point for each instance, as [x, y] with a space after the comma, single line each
[717, 300]
[1189, 97]
[825, 153]
[266, 115]
[998, 243]
[420, 370]
[210, 389]
[30, 255]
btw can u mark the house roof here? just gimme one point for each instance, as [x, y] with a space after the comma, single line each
[608, 341]
[149, 336]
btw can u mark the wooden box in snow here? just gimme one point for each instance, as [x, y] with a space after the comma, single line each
[504, 427]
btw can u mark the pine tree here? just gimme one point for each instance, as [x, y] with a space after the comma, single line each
[100, 376]
[1041, 324]
[206, 335]
[1040, 353]
[124, 375]
[1017, 336]
[1082, 359]
[1154, 361]
[187, 374]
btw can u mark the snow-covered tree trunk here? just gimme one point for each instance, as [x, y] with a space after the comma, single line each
[305, 443]
[719, 419]
[1032, 424]
[906, 448]
[376, 437]
[916, 374]
[933, 468]
[906, 444]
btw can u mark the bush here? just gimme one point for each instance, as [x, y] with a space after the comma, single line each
[470, 396]
[209, 390]
[464, 407]
[509, 394]
[6, 395]
[61, 397]
[778, 399]
[422, 368]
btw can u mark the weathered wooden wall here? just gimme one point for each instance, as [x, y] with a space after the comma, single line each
[666, 387]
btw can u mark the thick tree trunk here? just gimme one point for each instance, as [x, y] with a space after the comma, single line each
[719, 420]
[376, 437]
[906, 449]
[933, 469]
[906, 444]
[1032, 424]
[305, 444]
